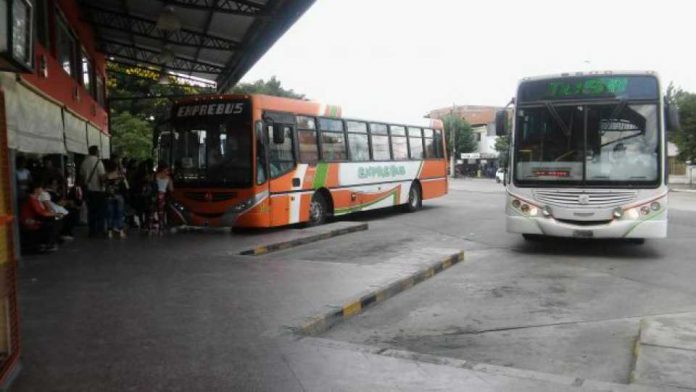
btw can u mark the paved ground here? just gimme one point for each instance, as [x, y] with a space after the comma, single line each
[185, 312]
[562, 307]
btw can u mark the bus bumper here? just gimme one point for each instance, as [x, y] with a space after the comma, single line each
[649, 228]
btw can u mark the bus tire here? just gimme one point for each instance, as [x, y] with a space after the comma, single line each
[415, 198]
[318, 210]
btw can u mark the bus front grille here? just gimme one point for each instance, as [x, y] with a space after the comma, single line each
[586, 198]
[210, 196]
[585, 223]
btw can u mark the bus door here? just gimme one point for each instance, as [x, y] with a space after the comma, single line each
[284, 204]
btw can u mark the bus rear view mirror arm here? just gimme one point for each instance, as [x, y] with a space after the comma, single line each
[501, 120]
[277, 133]
[672, 116]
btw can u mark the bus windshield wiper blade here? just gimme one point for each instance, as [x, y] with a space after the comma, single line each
[618, 109]
[552, 109]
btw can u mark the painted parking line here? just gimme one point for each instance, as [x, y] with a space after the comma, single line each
[303, 240]
[321, 323]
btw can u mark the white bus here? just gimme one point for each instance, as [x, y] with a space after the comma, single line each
[588, 156]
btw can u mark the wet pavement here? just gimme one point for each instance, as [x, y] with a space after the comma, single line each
[186, 312]
[562, 307]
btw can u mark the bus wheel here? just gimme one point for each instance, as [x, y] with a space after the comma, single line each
[415, 198]
[318, 210]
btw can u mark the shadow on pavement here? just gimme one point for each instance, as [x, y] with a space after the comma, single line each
[620, 248]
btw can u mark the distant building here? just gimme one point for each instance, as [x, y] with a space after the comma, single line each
[482, 120]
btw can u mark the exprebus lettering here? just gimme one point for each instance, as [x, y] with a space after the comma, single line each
[212, 109]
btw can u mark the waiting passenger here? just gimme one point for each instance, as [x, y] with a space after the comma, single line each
[40, 226]
[164, 183]
[116, 189]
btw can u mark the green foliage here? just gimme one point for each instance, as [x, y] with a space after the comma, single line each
[131, 135]
[684, 138]
[463, 134]
[502, 146]
[133, 119]
[270, 87]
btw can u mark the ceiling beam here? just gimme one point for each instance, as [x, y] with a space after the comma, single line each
[152, 57]
[208, 21]
[263, 33]
[135, 25]
[234, 7]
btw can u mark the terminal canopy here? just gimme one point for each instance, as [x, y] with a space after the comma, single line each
[216, 40]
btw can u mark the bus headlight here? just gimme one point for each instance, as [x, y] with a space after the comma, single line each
[645, 210]
[655, 206]
[516, 203]
[618, 212]
[243, 205]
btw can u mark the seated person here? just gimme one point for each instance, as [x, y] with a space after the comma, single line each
[55, 201]
[40, 226]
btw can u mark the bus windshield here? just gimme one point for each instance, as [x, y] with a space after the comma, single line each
[212, 152]
[602, 143]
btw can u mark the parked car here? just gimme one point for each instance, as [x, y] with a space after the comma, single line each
[500, 175]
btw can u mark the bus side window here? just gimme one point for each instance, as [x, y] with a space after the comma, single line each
[307, 139]
[260, 154]
[357, 141]
[415, 141]
[379, 140]
[429, 151]
[333, 140]
[438, 149]
[399, 142]
[282, 156]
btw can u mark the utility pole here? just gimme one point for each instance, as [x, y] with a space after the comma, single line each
[453, 150]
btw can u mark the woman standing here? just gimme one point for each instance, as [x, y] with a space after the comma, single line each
[116, 187]
[163, 180]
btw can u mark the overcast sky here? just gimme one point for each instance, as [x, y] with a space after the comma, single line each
[395, 60]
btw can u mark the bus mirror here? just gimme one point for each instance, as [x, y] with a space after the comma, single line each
[672, 117]
[278, 135]
[501, 121]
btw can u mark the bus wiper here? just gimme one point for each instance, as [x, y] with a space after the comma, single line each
[552, 109]
[618, 109]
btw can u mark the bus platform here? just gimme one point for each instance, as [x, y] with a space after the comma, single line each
[182, 313]
[185, 311]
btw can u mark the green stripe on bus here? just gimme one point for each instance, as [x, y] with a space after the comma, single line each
[393, 194]
[320, 175]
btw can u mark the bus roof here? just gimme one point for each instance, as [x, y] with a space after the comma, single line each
[298, 106]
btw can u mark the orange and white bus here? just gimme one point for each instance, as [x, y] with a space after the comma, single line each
[261, 161]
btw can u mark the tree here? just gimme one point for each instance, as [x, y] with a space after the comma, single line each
[502, 146]
[684, 138]
[133, 120]
[463, 134]
[131, 135]
[270, 87]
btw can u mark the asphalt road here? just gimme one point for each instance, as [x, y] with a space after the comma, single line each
[186, 312]
[562, 307]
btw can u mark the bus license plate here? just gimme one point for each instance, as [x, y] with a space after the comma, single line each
[583, 233]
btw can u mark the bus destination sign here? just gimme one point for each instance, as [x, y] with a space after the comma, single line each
[211, 109]
[589, 87]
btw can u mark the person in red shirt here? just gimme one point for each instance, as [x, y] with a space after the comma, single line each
[42, 224]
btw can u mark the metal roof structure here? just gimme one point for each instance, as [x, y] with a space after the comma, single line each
[216, 40]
